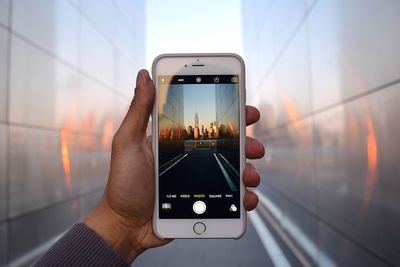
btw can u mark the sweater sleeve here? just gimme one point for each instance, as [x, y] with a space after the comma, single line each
[80, 246]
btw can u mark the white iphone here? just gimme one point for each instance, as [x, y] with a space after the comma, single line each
[198, 143]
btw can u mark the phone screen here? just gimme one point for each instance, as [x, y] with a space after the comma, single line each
[198, 146]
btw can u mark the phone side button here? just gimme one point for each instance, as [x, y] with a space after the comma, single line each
[199, 228]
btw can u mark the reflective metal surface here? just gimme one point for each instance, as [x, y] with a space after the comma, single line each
[35, 161]
[59, 18]
[3, 244]
[356, 170]
[96, 54]
[66, 88]
[3, 172]
[344, 253]
[89, 117]
[30, 231]
[4, 11]
[44, 91]
[328, 88]
[4, 39]
[354, 48]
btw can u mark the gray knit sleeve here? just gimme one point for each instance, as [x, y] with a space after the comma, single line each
[80, 246]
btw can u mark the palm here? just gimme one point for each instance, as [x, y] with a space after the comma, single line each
[130, 190]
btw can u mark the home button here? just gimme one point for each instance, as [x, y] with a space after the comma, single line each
[199, 228]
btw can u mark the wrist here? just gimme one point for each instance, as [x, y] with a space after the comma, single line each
[111, 228]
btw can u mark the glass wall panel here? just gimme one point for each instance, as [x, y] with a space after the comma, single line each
[4, 42]
[52, 25]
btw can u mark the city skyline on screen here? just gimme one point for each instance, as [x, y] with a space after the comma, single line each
[199, 99]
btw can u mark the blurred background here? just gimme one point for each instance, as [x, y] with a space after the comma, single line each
[324, 73]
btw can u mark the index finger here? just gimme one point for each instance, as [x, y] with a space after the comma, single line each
[252, 115]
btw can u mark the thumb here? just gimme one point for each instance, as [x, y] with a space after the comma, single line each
[133, 127]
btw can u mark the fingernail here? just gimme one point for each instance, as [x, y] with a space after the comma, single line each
[142, 77]
[144, 74]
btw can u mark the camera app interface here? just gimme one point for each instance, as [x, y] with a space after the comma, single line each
[198, 145]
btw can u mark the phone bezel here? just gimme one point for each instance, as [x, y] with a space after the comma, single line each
[214, 64]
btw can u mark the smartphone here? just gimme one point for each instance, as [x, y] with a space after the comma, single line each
[198, 125]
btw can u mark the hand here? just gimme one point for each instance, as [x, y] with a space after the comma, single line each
[123, 217]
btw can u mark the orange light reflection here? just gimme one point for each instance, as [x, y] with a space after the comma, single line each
[372, 148]
[87, 124]
[293, 114]
[65, 157]
[372, 156]
[107, 134]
